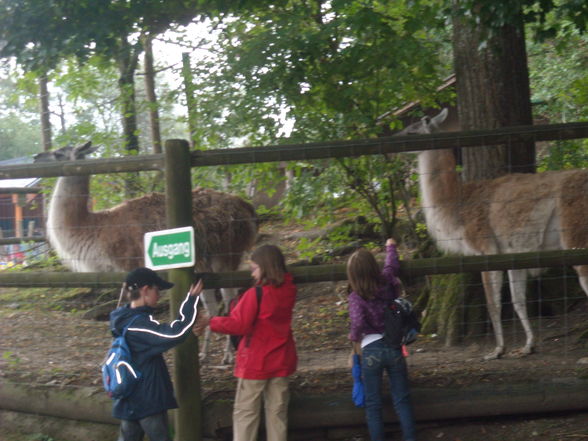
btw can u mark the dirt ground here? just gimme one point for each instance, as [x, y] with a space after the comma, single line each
[45, 339]
[49, 345]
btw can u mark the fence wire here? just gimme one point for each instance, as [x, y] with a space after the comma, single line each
[455, 342]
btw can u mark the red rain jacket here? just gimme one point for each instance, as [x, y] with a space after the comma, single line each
[267, 349]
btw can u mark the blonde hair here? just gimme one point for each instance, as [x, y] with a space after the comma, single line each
[364, 273]
[272, 264]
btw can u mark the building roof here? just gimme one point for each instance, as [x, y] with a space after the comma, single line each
[18, 183]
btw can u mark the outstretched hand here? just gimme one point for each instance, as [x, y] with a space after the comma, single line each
[196, 288]
[202, 321]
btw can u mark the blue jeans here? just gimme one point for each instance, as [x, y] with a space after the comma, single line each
[377, 358]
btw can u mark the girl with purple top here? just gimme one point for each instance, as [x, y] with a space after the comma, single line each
[372, 290]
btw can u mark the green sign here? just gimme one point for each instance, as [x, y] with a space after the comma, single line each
[168, 249]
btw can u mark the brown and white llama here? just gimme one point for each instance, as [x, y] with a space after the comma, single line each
[515, 213]
[112, 239]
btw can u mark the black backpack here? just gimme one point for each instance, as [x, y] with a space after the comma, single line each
[235, 339]
[401, 324]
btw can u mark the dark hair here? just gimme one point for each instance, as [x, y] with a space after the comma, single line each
[272, 264]
[364, 273]
[132, 293]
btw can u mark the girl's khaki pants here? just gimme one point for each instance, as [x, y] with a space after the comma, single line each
[247, 411]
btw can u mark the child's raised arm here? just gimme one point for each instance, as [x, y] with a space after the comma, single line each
[391, 264]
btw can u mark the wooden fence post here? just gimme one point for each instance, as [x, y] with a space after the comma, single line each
[178, 194]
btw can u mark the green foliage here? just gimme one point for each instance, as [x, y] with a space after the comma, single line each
[544, 18]
[19, 126]
[564, 155]
[326, 70]
[41, 33]
[40, 437]
[43, 262]
[560, 89]
[290, 73]
[315, 192]
[11, 358]
[18, 137]
[558, 77]
[309, 248]
[334, 67]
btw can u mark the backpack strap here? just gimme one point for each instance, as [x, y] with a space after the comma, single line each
[259, 294]
[126, 328]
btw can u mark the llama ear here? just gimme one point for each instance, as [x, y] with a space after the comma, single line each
[438, 119]
[85, 149]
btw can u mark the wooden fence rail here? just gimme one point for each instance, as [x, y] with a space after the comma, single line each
[18, 240]
[317, 150]
[316, 273]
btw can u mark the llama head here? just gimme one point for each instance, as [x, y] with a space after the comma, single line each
[66, 153]
[426, 125]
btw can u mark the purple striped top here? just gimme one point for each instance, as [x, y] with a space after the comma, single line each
[367, 316]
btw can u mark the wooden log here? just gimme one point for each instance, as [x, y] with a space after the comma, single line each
[87, 167]
[17, 240]
[391, 144]
[327, 411]
[61, 279]
[317, 273]
[348, 432]
[57, 428]
[79, 403]
[310, 151]
[337, 410]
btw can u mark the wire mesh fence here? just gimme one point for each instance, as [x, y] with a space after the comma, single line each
[458, 328]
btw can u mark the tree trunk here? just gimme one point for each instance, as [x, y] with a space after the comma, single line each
[455, 307]
[126, 83]
[61, 106]
[151, 96]
[190, 101]
[127, 65]
[45, 113]
[492, 92]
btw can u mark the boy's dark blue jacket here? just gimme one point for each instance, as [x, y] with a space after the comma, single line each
[148, 340]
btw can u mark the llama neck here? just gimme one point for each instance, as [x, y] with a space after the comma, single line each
[81, 238]
[441, 192]
[69, 203]
[68, 213]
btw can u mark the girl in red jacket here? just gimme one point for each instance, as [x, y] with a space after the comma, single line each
[266, 355]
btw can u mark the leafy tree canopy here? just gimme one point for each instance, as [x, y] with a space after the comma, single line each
[301, 72]
[545, 17]
[39, 33]
[332, 67]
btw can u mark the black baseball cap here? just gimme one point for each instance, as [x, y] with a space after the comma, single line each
[140, 277]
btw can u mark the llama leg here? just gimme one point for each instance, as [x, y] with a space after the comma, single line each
[492, 288]
[518, 292]
[209, 300]
[228, 294]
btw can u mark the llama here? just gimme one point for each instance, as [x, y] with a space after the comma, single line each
[515, 213]
[112, 239]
